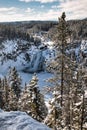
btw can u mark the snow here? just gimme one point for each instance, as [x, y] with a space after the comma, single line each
[85, 93]
[33, 50]
[19, 121]
[85, 126]
[84, 45]
[9, 46]
[77, 51]
[13, 47]
[35, 53]
[78, 104]
[42, 76]
[1, 76]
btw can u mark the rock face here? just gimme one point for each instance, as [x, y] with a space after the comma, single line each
[19, 121]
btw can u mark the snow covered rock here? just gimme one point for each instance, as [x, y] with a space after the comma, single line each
[13, 53]
[84, 48]
[23, 56]
[19, 121]
[84, 45]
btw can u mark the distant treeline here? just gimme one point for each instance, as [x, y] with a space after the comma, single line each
[13, 31]
[25, 29]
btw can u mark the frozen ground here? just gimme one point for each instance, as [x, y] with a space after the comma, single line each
[42, 76]
[19, 121]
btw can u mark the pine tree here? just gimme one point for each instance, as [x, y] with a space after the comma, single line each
[15, 81]
[61, 63]
[61, 45]
[1, 95]
[25, 103]
[63, 68]
[37, 100]
[0, 84]
[33, 101]
[54, 110]
[12, 101]
[5, 93]
[76, 100]
[6, 89]
[1, 98]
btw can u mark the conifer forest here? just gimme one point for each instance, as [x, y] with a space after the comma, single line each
[43, 74]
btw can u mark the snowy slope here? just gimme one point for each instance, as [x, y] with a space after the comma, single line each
[19, 121]
[42, 76]
[84, 45]
[27, 56]
[77, 49]
[13, 53]
[21, 54]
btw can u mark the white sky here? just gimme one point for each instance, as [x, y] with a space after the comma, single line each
[24, 10]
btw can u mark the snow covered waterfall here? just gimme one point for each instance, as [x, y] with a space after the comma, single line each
[37, 62]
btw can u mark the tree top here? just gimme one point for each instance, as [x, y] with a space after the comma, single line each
[63, 15]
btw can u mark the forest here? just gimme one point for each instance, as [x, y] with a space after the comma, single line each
[67, 107]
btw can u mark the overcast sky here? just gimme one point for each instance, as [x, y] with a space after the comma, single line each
[22, 10]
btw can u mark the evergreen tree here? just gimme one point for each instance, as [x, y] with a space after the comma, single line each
[61, 48]
[0, 84]
[79, 102]
[5, 93]
[25, 103]
[1, 99]
[15, 81]
[12, 101]
[33, 101]
[6, 89]
[63, 68]
[54, 110]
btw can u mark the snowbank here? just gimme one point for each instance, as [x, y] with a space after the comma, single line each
[19, 121]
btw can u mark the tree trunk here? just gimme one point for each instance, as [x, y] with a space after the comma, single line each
[62, 79]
